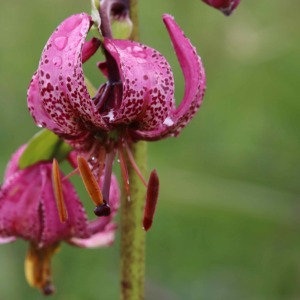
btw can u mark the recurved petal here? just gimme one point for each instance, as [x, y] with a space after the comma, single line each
[195, 84]
[103, 238]
[63, 92]
[148, 84]
[7, 240]
[37, 111]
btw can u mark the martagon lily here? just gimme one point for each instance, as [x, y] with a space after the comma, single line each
[28, 210]
[136, 103]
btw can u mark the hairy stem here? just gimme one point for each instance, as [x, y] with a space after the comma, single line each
[132, 233]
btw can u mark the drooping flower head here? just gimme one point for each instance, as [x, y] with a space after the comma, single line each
[225, 6]
[136, 103]
[28, 210]
[139, 94]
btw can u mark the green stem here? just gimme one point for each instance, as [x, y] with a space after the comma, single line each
[132, 233]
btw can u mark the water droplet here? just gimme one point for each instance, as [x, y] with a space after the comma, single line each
[57, 61]
[60, 42]
[39, 125]
[168, 121]
[118, 161]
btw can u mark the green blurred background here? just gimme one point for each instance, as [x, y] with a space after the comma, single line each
[227, 224]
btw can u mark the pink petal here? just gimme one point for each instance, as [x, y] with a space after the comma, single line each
[13, 164]
[19, 205]
[53, 229]
[195, 84]
[63, 93]
[7, 240]
[148, 84]
[102, 230]
[37, 111]
[100, 239]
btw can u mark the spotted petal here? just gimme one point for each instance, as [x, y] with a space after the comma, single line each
[195, 84]
[148, 84]
[59, 87]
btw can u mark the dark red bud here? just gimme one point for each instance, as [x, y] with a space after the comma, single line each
[151, 200]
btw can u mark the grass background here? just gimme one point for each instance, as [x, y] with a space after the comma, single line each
[227, 225]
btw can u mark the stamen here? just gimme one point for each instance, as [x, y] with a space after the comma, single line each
[75, 171]
[134, 165]
[58, 192]
[89, 181]
[101, 159]
[107, 175]
[123, 166]
[151, 200]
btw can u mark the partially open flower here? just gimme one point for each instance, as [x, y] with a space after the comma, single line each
[225, 6]
[28, 210]
[136, 103]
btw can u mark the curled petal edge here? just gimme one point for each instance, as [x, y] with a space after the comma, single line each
[195, 85]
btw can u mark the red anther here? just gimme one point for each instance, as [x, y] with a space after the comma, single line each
[89, 181]
[151, 200]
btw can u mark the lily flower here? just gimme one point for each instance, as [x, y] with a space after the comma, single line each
[225, 6]
[136, 103]
[28, 210]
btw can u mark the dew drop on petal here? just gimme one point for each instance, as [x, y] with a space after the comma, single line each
[57, 61]
[60, 42]
[168, 121]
